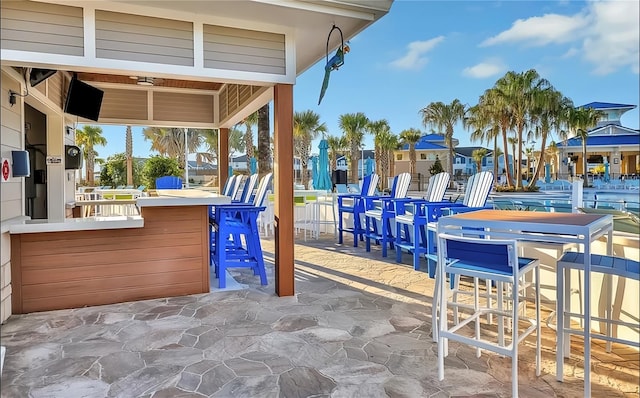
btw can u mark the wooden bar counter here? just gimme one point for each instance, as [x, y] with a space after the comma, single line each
[74, 263]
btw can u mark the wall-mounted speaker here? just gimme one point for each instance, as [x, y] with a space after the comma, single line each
[72, 157]
[20, 161]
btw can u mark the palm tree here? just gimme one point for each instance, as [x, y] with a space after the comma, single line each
[499, 114]
[129, 155]
[520, 93]
[411, 137]
[353, 125]
[306, 127]
[387, 142]
[580, 121]
[249, 122]
[87, 138]
[485, 128]
[477, 155]
[550, 114]
[516, 160]
[337, 146]
[264, 141]
[551, 155]
[236, 141]
[378, 128]
[171, 141]
[210, 142]
[443, 117]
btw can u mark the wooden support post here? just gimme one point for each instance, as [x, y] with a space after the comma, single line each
[223, 157]
[283, 188]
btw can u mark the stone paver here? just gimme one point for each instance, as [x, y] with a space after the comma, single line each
[359, 326]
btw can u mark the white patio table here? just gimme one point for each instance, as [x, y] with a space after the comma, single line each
[548, 228]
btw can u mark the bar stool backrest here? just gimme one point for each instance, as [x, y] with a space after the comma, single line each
[236, 187]
[228, 186]
[401, 185]
[249, 186]
[169, 182]
[261, 193]
[369, 184]
[488, 254]
[437, 187]
[478, 189]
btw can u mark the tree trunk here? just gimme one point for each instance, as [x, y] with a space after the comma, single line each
[540, 161]
[129, 155]
[264, 142]
[90, 167]
[585, 178]
[355, 155]
[495, 159]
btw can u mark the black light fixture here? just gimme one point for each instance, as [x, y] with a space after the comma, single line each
[37, 76]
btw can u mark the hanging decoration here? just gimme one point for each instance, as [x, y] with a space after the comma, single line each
[335, 62]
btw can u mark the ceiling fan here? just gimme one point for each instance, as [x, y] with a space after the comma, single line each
[146, 80]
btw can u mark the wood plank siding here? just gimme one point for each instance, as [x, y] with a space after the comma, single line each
[234, 97]
[181, 107]
[57, 89]
[169, 256]
[124, 104]
[143, 39]
[243, 50]
[42, 28]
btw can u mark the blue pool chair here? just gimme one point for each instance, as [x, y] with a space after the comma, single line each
[380, 210]
[169, 182]
[353, 204]
[236, 236]
[413, 216]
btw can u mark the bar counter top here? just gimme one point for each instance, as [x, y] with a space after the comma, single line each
[76, 224]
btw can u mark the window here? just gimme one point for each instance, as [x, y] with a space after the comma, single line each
[423, 156]
[399, 156]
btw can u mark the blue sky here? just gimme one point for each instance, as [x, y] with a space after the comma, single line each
[427, 51]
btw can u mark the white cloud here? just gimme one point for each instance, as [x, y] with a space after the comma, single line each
[572, 52]
[415, 58]
[488, 68]
[614, 39]
[606, 33]
[540, 31]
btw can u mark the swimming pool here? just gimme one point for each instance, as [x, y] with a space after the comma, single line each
[561, 201]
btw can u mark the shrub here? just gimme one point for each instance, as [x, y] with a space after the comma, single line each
[436, 167]
[159, 166]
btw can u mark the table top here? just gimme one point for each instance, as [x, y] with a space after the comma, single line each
[573, 219]
[97, 202]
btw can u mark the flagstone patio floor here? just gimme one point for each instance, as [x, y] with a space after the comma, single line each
[358, 326]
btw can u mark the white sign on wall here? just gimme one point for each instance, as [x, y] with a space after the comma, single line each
[6, 169]
[55, 159]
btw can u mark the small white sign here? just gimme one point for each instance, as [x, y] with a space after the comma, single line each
[55, 159]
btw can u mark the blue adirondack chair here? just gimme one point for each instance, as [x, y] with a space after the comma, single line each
[245, 197]
[353, 204]
[475, 198]
[236, 236]
[380, 210]
[228, 186]
[248, 188]
[412, 218]
[169, 182]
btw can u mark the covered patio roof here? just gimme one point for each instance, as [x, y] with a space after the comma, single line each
[203, 64]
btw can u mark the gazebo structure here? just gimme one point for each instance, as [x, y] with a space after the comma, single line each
[199, 64]
[609, 142]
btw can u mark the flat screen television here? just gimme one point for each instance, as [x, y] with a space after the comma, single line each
[83, 100]
[37, 76]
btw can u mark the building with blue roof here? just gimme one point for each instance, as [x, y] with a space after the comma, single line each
[432, 147]
[609, 142]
